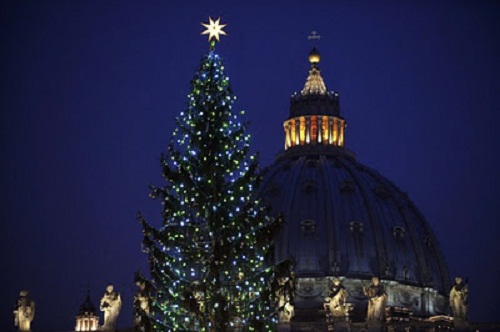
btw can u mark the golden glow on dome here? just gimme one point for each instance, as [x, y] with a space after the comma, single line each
[302, 130]
[315, 118]
[305, 130]
[87, 322]
[214, 29]
[314, 129]
[314, 83]
[325, 129]
[314, 56]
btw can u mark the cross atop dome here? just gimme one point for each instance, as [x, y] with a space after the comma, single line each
[314, 36]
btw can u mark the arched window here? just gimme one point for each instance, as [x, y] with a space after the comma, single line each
[325, 124]
[293, 137]
[314, 129]
[302, 128]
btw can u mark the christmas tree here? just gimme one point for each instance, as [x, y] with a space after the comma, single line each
[210, 261]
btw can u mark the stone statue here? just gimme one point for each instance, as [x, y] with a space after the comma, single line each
[111, 303]
[24, 312]
[459, 299]
[142, 302]
[336, 299]
[286, 308]
[377, 299]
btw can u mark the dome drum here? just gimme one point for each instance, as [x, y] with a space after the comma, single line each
[326, 130]
[315, 104]
[87, 318]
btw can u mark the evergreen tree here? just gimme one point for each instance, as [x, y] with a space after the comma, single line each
[210, 259]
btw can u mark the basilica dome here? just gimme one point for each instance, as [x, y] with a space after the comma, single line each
[344, 219]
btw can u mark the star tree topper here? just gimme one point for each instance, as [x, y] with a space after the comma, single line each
[214, 29]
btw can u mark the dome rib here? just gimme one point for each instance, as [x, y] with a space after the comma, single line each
[332, 228]
[419, 254]
[374, 224]
[442, 282]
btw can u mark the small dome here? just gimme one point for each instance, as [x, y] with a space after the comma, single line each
[314, 56]
[87, 307]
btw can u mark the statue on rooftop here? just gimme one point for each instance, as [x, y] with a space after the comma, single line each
[142, 302]
[111, 303]
[337, 296]
[459, 298]
[377, 298]
[24, 312]
[285, 294]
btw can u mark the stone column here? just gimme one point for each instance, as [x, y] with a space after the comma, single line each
[319, 122]
[335, 131]
[331, 130]
[286, 125]
[341, 136]
[308, 130]
[297, 131]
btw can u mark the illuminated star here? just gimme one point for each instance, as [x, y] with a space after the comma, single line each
[213, 29]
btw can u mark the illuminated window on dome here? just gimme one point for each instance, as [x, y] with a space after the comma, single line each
[293, 137]
[302, 132]
[341, 134]
[325, 123]
[288, 142]
[335, 135]
[314, 129]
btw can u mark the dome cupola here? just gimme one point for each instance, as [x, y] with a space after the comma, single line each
[314, 113]
[87, 318]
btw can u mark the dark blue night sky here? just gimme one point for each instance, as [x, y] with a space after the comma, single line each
[89, 91]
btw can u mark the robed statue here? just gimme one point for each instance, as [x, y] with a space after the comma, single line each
[285, 295]
[459, 298]
[111, 304]
[24, 312]
[336, 300]
[377, 299]
[142, 301]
